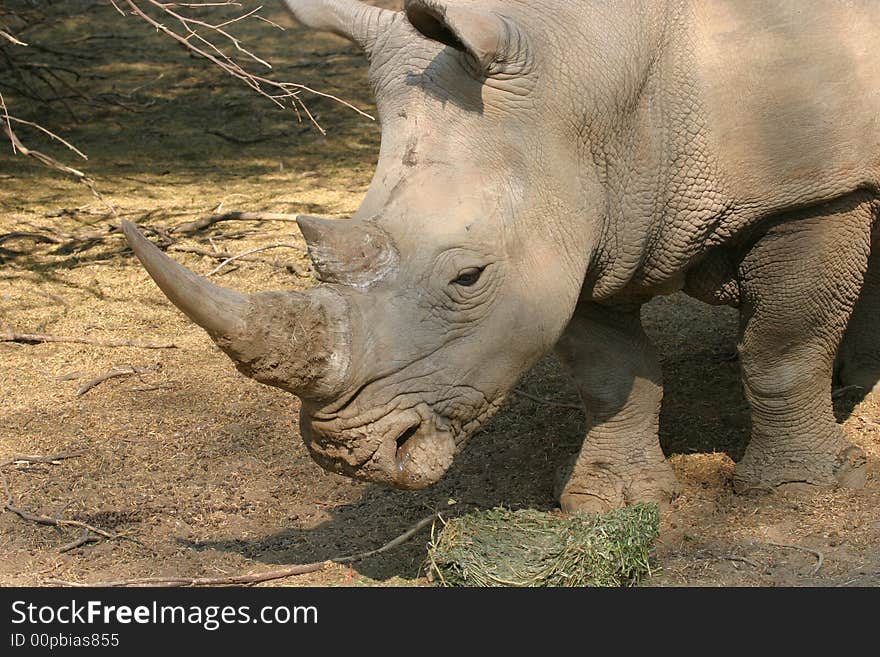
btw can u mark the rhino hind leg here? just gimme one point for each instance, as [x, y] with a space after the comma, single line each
[799, 284]
[858, 359]
[617, 374]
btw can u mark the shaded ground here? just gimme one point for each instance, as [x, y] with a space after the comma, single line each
[206, 468]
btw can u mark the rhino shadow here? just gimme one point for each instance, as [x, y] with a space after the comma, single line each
[513, 460]
[510, 463]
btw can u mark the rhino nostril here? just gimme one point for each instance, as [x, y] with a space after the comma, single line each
[406, 435]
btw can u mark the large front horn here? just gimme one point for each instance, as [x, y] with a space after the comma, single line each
[295, 341]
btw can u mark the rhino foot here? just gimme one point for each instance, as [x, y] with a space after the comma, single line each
[862, 378]
[843, 467]
[598, 486]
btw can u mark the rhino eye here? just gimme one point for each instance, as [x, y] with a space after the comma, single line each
[468, 277]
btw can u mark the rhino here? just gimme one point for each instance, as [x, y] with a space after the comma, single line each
[546, 168]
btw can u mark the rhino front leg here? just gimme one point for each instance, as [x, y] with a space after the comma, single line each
[858, 359]
[617, 373]
[798, 285]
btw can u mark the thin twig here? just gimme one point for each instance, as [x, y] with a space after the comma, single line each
[37, 338]
[256, 578]
[55, 522]
[85, 537]
[9, 37]
[740, 560]
[244, 254]
[223, 255]
[27, 235]
[39, 518]
[50, 134]
[390, 545]
[131, 370]
[47, 160]
[53, 459]
[820, 559]
[189, 33]
[199, 224]
[845, 390]
[238, 140]
[546, 402]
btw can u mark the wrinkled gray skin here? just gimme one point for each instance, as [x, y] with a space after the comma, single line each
[548, 167]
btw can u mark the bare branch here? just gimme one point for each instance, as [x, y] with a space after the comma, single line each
[194, 33]
[546, 402]
[255, 578]
[53, 459]
[199, 224]
[36, 338]
[42, 158]
[820, 558]
[39, 518]
[11, 38]
[238, 256]
[49, 133]
[131, 370]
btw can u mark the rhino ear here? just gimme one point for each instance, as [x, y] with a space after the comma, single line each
[491, 41]
[354, 20]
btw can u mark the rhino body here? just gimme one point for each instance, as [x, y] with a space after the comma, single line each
[548, 167]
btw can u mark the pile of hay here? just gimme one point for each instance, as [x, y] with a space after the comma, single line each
[500, 547]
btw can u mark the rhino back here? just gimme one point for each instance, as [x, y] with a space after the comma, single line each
[791, 94]
[753, 108]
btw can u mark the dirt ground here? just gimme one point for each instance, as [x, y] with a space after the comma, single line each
[205, 468]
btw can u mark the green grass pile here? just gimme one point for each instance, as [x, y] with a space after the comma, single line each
[500, 547]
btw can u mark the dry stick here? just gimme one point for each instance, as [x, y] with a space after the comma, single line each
[9, 37]
[256, 578]
[845, 390]
[46, 520]
[46, 160]
[53, 459]
[39, 518]
[740, 560]
[244, 254]
[390, 545]
[112, 374]
[546, 402]
[25, 235]
[88, 530]
[199, 224]
[37, 338]
[238, 140]
[85, 537]
[279, 93]
[222, 255]
[820, 559]
[50, 134]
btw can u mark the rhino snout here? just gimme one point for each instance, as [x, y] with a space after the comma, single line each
[407, 451]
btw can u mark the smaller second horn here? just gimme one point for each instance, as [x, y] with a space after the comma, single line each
[348, 251]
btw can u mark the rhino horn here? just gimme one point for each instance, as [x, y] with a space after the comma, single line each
[294, 341]
[351, 19]
[349, 251]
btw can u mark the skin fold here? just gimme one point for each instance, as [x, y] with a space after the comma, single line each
[546, 168]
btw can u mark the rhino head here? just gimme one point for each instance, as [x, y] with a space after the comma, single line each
[459, 271]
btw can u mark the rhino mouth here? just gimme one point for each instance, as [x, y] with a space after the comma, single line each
[408, 451]
[404, 446]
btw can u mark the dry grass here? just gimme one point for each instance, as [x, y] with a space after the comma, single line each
[501, 547]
